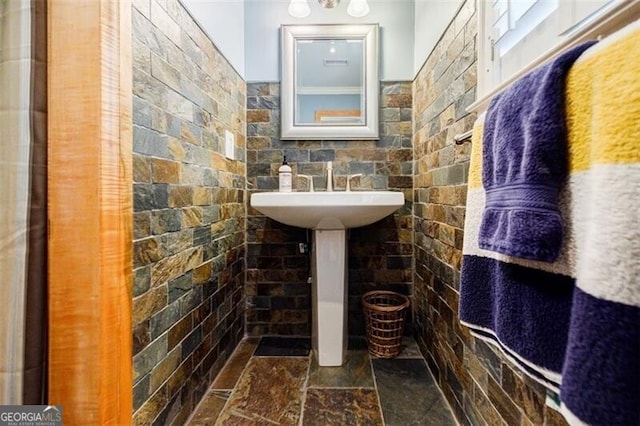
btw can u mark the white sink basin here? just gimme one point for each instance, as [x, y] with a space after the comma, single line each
[327, 210]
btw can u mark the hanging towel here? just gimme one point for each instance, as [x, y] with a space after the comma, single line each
[601, 373]
[525, 161]
[574, 324]
[521, 306]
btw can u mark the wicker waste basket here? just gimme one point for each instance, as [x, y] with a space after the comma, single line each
[384, 313]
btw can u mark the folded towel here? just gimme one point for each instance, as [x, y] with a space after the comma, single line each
[525, 161]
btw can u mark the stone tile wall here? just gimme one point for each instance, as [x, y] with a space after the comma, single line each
[189, 212]
[481, 386]
[380, 255]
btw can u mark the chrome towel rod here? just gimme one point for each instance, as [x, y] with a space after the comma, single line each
[461, 137]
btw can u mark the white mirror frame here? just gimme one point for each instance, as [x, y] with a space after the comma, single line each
[368, 130]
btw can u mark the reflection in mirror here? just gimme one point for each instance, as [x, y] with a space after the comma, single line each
[329, 82]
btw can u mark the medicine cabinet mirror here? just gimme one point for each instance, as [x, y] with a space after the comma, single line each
[329, 82]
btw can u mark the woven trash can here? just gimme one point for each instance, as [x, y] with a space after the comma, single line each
[384, 313]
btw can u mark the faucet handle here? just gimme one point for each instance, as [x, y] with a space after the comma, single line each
[349, 180]
[310, 179]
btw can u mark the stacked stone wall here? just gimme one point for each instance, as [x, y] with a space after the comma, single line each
[481, 386]
[189, 212]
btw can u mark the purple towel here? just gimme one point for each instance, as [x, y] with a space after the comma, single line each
[525, 162]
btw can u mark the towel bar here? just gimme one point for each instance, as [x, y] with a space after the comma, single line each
[461, 137]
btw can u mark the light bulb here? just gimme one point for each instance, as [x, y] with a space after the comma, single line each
[358, 8]
[299, 8]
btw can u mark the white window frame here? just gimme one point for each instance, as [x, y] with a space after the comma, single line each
[608, 21]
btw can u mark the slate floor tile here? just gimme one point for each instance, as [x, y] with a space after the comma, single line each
[274, 381]
[354, 373]
[409, 348]
[230, 373]
[407, 392]
[209, 408]
[269, 391]
[327, 407]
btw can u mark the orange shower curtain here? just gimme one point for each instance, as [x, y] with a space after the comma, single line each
[23, 191]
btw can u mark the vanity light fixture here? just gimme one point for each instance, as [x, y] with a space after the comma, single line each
[358, 8]
[301, 9]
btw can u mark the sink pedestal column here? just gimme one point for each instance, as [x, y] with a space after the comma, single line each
[330, 296]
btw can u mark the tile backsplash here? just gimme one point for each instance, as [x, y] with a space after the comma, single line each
[380, 255]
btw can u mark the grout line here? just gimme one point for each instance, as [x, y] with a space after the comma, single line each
[375, 387]
[210, 391]
[305, 386]
[280, 356]
[344, 387]
[235, 387]
[196, 409]
[444, 399]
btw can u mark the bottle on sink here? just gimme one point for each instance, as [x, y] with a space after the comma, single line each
[284, 176]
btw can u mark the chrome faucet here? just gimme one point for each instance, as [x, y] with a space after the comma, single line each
[329, 176]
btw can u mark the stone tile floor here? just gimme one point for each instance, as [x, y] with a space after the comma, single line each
[277, 381]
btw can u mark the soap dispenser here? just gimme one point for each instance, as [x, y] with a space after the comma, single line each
[284, 176]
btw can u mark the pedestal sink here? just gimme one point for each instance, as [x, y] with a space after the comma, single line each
[329, 214]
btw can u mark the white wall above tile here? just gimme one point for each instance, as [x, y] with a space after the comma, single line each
[262, 38]
[223, 21]
[247, 32]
